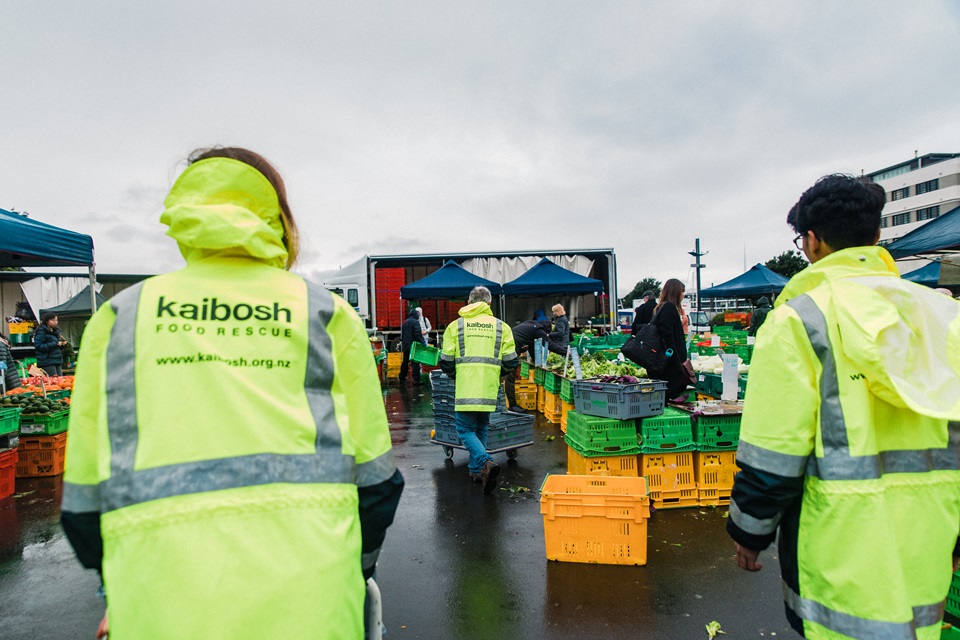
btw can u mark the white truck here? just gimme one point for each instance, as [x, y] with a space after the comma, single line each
[372, 286]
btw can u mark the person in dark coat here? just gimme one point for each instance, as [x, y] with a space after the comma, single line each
[10, 374]
[524, 336]
[667, 319]
[410, 332]
[561, 326]
[759, 315]
[48, 341]
[643, 314]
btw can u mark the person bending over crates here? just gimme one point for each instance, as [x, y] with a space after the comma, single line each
[230, 470]
[477, 349]
[849, 443]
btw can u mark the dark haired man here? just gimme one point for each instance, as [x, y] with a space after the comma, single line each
[643, 314]
[849, 440]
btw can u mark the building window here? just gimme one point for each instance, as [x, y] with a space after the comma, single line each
[883, 243]
[900, 194]
[928, 213]
[929, 185]
[896, 171]
[884, 222]
[901, 218]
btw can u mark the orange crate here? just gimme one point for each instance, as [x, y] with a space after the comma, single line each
[675, 499]
[595, 519]
[41, 456]
[551, 406]
[713, 497]
[668, 471]
[565, 409]
[715, 469]
[8, 472]
[580, 465]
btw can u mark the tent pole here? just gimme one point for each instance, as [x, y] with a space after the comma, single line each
[93, 287]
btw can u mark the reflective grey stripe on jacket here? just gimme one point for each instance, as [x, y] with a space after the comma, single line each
[857, 627]
[837, 463]
[127, 486]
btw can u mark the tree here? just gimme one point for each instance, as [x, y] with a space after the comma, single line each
[787, 263]
[647, 284]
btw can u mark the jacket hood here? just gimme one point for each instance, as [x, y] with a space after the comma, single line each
[414, 313]
[224, 207]
[903, 337]
[763, 302]
[478, 309]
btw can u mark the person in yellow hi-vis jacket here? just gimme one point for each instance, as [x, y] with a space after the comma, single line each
[849, 443]
[230, 468]
[477, 349]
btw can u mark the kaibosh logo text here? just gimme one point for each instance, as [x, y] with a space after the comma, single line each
[213, 309]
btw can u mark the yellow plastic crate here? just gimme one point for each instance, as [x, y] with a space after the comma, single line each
[595, 519]
[669, 471]
[541, 398]
[715, 469]
[565, 409]
[580, 465]
[551, 406]
[526, 396]
[19, 327]
[712, 497]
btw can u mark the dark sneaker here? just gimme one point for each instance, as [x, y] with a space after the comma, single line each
[489, 475]
[476, 477]
[517, 409]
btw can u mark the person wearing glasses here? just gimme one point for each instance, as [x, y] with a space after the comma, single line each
[849, 442]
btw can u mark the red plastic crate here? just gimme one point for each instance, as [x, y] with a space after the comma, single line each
[41, 456]
[8, 472]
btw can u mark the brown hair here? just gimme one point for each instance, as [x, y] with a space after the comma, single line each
[672, 291]
[291, 237]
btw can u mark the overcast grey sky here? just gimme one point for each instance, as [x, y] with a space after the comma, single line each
[415, 127]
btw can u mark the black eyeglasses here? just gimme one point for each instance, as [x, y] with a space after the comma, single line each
[798, 241]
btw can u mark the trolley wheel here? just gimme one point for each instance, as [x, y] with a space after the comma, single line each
[512, 454]
[448, 451]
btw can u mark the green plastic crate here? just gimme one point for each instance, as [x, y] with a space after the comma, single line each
[716, 433]
[551, 382]
[49, 424]
[538, 376]
[9, 419]
[949, 632]
[672, 431]
[953, 596]
[524, 368]
[593, 436]
[566, 390]
[424, 354]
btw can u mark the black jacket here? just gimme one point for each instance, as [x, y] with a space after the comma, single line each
[759, 315]
[410, 332]
[670, 325]
[46, 342]
[525, 333]
[10, 373]
[643, 314]
[561, 331]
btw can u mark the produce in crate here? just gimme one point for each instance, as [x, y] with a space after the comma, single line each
[40, 406]
[714, 364]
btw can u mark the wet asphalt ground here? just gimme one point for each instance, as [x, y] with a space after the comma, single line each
[456, 564]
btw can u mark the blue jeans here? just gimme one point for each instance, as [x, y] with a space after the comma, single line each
[472, 429]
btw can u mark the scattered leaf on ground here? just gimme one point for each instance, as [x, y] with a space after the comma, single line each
[713, 629]
[515, 489]
[676, 544]
[726, 514]
[550, 438]
[25, 493]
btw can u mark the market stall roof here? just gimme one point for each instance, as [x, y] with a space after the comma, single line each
[449, 281]
[548, 277]
[25, 242]
[941, 234]
[756, 281]
[928, 275]
[76, 307]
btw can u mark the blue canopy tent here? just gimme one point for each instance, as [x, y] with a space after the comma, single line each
[928, 275]
[449, 281]
[939, 235]
[757, 281]
[547, 277]
[25, 242]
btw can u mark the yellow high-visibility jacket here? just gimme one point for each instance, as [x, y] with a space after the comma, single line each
[479, 346]
[226, 421]
[849, 446]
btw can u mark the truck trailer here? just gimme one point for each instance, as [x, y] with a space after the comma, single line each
[372, 286]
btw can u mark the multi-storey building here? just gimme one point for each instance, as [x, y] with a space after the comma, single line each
[918, 191]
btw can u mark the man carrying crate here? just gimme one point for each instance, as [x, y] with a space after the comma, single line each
[477, 348]
[849, 444]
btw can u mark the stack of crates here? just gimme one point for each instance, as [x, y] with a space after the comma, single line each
[389, 305]
[953, 596]
[20, 332]
[444, 415]
[566, 402]
[9, 440]
[551, 404]
[667, 459]
[716, 438]
[42, 443]
[394, 360]
[526, 394]
[602, 446]
[595, 519]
